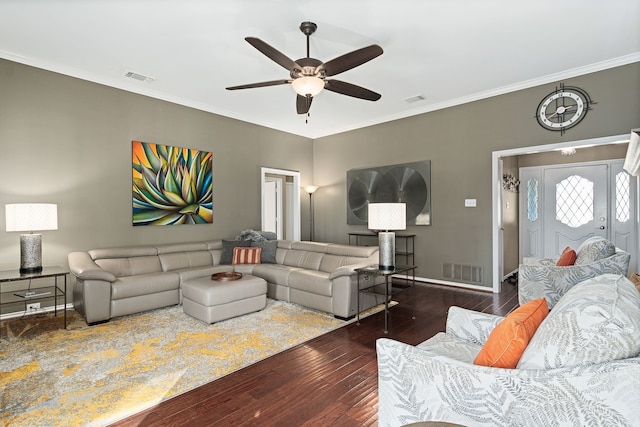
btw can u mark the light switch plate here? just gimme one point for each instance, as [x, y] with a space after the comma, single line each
[469, 203]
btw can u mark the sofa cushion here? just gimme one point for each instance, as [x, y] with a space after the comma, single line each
[567, 258]
[135, 265]
[274, 273]
[303, 259]
[593, 249]
[227, 249]
[144, 284]
[596, 321]
[509, 339]
[316, 282]
[183, 260]
[269, 248]
[246, 255]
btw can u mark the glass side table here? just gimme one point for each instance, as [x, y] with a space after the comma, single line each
[33, 293]
[373, 270]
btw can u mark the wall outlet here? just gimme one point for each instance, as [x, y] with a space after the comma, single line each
[33, 306]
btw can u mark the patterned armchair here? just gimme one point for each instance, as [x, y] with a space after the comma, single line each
[582, 367]
[538, 278]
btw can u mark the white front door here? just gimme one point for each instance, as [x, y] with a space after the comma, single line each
[564, 205]
[575, 207]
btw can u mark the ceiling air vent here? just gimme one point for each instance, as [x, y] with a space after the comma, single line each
[413, 99]
[139, 77]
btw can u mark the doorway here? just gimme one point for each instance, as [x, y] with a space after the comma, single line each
[280, 202]
[497, 196]
[563, 205]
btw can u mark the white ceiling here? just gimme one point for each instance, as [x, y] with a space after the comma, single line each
[449, 51]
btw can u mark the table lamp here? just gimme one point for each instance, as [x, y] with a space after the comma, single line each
[31, 217]
[384, 217]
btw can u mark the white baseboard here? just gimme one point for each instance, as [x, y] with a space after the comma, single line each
[448, 283]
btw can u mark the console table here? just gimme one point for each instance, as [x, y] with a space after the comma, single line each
[373, 270]
[31, 294]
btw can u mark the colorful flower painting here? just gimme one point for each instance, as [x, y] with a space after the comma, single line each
[171, 185]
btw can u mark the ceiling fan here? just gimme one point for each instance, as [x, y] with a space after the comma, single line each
[309, 75]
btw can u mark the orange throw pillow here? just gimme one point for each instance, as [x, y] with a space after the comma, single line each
[567, 258]
[510, 338]
[246, 255]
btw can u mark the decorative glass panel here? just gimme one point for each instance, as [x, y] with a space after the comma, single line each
[574, 201]
[532, 199]
[623, 208]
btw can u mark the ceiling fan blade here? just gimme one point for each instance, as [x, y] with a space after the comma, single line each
[303, 103]
[272, 53]
[349, 89]
[260, 84]
[351, 60]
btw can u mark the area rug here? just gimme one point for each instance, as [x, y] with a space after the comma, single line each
[92, 376]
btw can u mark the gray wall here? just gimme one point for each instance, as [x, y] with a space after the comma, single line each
[459, 142]
[68, 141]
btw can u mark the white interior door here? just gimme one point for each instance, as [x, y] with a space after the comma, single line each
[291, 205]
[272, 202]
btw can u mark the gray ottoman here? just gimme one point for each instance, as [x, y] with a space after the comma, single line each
[212, 301]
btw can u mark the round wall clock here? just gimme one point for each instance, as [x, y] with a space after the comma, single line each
[563, 108]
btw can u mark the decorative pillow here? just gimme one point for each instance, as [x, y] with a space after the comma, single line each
[269, 248]
[250, 235]
[635, 279]
[243, 255]
[596, 321]
[594, 249]
[509, 339]
[227, 249]
[269, 235]
[567, 258]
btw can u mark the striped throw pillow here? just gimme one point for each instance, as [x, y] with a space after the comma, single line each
[243, 255]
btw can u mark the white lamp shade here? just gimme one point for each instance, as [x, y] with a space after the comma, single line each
[310, 188]
[387, 216]
[31, 216]
[308, 86]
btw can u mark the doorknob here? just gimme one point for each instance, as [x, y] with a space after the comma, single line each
[601, 227]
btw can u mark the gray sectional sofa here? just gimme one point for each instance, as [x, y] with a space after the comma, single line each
[114, 282]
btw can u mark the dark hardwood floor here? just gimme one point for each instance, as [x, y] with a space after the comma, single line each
[327, 381]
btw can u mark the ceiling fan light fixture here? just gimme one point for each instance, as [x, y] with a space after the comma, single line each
[308, 85]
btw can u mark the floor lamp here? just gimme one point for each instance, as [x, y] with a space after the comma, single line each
[384, 217]
[310, 189]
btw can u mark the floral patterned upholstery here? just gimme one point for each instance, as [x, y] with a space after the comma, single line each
[436, 381]
[541, 278]
[596, 321]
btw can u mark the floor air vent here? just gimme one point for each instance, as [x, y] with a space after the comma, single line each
[463, 273]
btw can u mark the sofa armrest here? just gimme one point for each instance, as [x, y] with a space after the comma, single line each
[470, 325]
[83, 267]
[348, 270]
[416, 385]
